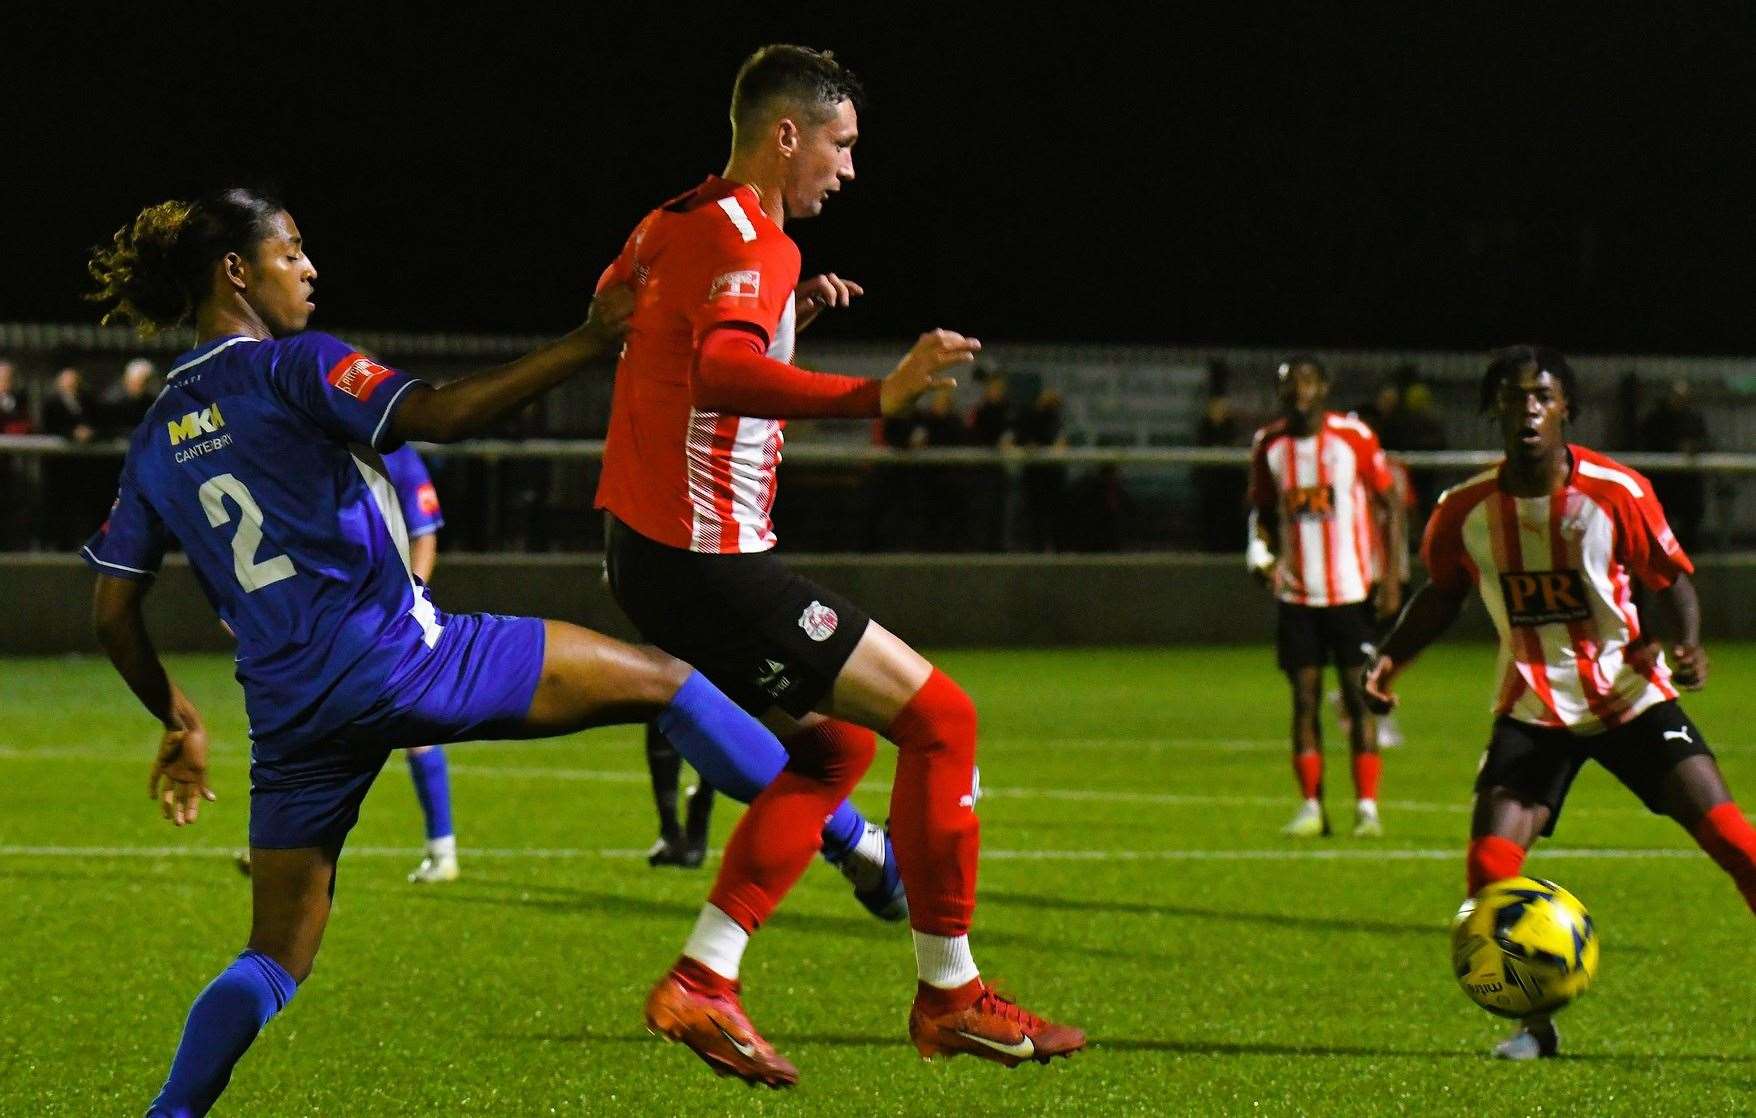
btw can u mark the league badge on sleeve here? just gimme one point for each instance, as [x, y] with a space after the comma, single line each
[357, 375]
[745, 284]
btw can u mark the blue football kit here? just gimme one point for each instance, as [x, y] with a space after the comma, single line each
[264, 460]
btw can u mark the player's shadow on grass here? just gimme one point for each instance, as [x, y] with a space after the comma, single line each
[1225, 915]
[570, 901]
[1264, 1048]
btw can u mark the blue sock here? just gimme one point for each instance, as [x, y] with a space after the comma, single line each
[433, 789]
[222, 1023]
[737, 755]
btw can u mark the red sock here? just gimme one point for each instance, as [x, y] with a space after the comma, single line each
[1367, 766]
[1308, 767]
[932, 817]
[774, 842]
[1492, 858]
[1729, 840]
[700, 977]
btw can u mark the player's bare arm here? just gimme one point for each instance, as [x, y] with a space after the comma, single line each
[820, 293]
[178, 779]
[1388, 598]
[924, 369]
[1430, 612]
[1681, 609]
[471, 405]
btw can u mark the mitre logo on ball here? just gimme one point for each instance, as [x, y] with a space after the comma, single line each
[818, 621]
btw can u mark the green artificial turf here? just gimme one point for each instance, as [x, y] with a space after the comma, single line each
[1133, 882]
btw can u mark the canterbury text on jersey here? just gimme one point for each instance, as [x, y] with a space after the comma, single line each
[1554, 573]
[1318, 486]
[262, 459]
[693, 479]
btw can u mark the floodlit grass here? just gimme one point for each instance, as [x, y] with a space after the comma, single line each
[1134, 883]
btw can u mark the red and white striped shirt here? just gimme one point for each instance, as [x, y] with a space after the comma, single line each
[1554, 573]
[690, 478]
[1319, 486]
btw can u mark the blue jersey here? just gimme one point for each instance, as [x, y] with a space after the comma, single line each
[414, 491]
[262, 458]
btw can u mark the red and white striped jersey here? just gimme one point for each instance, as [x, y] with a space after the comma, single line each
[693, 479]
[1318, 487]
[1555, 575]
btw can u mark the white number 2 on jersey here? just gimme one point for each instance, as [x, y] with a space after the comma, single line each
[251, 574]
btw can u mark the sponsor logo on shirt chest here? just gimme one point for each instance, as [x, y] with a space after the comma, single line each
[1310, 502]
[1544, 597]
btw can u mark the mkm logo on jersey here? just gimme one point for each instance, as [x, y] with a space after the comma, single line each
[1544, 597]
[204, 422]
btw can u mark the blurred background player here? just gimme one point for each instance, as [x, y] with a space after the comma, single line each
[705, 381]
[262, 457]
[422, 515]
[1553, 539]
[1316, 479]
[683, 845]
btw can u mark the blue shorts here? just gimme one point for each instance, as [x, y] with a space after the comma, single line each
[476, 683]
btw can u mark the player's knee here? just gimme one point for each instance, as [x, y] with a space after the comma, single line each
[948, 709]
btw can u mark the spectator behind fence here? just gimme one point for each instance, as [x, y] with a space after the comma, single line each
[1045, 483]
[1676, 426]
[14, 420]
[125, 403]
[76, 488]
[1219, 490]
[939, 489]
[991, 424]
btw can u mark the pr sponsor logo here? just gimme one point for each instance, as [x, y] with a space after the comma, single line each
[1311, 502]
[1544, 597]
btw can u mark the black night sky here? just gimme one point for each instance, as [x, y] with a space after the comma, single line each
[1447, 179]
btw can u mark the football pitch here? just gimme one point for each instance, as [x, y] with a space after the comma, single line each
[1133, 882]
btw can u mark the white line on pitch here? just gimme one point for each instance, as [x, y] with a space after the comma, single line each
[537, 853]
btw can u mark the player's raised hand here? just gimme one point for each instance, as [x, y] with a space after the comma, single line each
[1375, 682]
[925, 368]
[819, 293]
[1689, 666]
[179, 772]
[610, 311]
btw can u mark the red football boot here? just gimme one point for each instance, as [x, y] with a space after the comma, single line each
[987, 1025]
[694, 1005]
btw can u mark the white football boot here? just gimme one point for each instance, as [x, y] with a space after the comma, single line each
[1311, 822]
[1366, 821]
[1536, 1039]
[439, 865]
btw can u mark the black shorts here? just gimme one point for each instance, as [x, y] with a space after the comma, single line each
[1537, 764]
[1312, 636]
[765, 636]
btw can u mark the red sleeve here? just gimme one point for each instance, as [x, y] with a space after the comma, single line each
[1375, 466]
[746, 283]
[734, 375]
[1649, 548]
[621, 269]
[1262, 488]
[1442, 551]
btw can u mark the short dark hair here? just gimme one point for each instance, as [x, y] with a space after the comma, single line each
[1514, 359]
[1286, 367]
[813, 79]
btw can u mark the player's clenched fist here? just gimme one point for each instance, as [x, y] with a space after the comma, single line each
[924, 369]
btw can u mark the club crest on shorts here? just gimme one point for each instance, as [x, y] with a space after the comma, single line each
[818, 621]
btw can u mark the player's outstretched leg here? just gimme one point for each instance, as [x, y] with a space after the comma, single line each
[697, 1003]
[1503, 828]
[1311, 821]
[592, 680]
[432, 778]
[290, 900]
